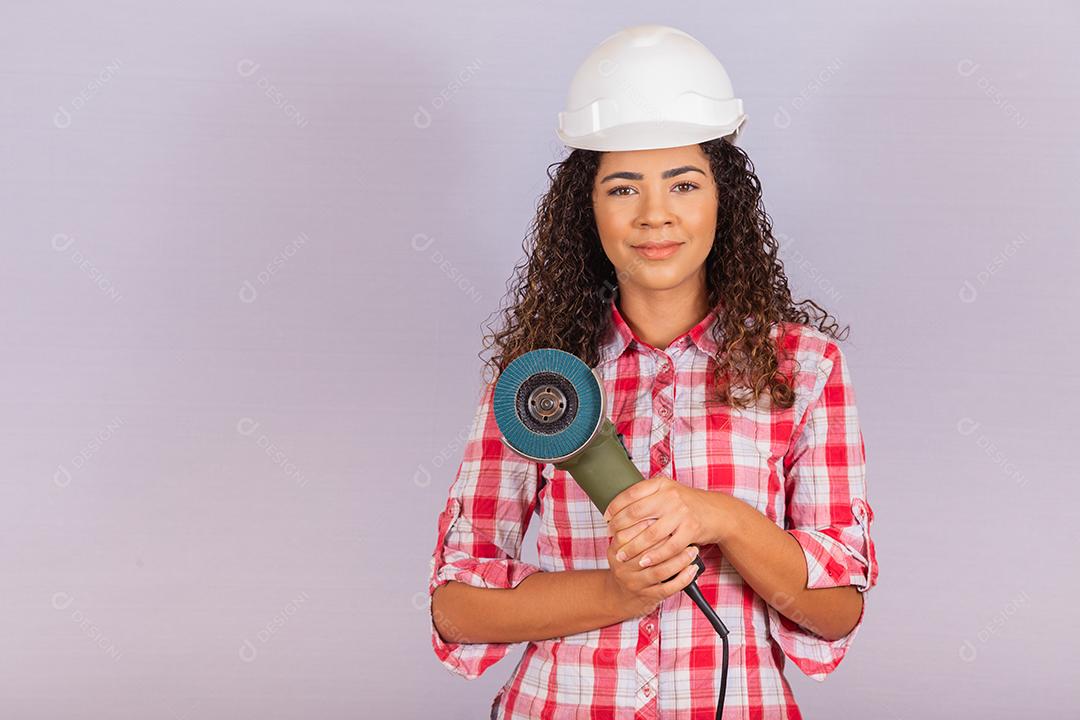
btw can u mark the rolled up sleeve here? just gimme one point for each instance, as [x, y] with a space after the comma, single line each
[827, 511]
[480, 531]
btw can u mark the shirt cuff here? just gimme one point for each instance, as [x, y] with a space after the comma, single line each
[834, 557]
[470, 660]
[840, 556]
[815, 656]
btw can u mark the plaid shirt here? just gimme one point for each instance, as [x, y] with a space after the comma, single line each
[803, 467]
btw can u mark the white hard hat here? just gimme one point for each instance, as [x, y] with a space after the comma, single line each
[649, 86]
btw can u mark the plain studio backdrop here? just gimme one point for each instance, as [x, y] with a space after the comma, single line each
[248, 252]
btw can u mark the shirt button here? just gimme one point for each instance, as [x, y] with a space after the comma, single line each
[647, 691]
[662, 458]
[649, 628]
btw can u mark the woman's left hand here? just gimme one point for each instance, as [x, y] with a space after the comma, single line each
[681, 517]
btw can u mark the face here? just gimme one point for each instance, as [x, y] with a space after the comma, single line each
[665, 198]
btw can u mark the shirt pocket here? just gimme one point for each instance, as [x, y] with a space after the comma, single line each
[740, 451]
[573, 533]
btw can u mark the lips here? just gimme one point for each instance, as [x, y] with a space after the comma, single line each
[658, 251]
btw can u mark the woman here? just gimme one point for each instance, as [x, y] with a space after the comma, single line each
[657, 266]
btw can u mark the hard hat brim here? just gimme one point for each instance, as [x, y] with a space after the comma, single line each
[650, 135]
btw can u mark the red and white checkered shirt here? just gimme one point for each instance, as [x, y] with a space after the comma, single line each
[803, 467]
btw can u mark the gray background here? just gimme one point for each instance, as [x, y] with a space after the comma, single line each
[247, 253]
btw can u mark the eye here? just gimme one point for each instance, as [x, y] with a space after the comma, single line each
[615, 192]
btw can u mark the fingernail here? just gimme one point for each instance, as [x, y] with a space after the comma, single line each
[645, 561]
[620, 556]
[693, 551]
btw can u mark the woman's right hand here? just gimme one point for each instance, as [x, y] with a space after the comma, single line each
[637, 591]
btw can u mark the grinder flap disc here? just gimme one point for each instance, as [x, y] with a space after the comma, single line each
[548, 404]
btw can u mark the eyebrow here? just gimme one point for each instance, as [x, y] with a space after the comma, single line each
[627, 175]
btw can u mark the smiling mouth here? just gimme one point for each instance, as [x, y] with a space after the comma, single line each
[658, 251]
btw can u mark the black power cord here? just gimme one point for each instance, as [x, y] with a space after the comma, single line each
[695, 594]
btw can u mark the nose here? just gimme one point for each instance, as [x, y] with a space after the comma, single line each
[653, 210]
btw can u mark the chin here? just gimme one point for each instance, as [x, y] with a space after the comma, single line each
[661, 279]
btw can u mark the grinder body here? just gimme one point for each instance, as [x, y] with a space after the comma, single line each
[550, 407]
[603, 470]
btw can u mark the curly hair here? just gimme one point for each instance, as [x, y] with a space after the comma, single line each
[560, 293]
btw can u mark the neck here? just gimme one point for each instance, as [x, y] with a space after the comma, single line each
[659, 316]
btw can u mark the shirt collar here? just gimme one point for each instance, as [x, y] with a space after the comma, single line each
[620, 336]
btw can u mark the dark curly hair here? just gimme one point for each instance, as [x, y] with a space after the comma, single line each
[560, 292]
